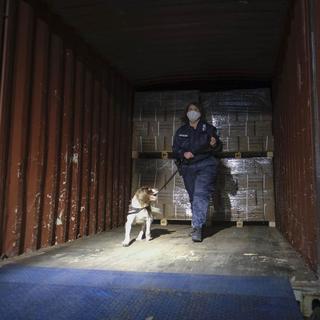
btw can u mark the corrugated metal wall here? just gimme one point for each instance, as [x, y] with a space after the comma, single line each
[65, 128]
[315, 25]
[293, 130]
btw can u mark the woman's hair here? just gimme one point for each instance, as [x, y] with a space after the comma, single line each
[199, 106]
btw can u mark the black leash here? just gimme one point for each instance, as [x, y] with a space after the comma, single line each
[134, 210]
[167, 181]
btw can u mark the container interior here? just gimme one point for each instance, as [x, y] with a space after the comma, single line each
[72, 72]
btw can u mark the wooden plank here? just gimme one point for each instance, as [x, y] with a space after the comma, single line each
[219, 155]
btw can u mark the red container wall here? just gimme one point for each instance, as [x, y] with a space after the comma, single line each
[317, 44]
[64, 128]
[293, 131]
[316, 29]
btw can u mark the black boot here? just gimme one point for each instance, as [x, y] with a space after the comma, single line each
[191, 232]
[197, 235]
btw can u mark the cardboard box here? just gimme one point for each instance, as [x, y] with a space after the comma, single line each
[244, 182]
[166, 129]
[262, 115]
[252, 100]
[140, 128]
[230, 144]
[263, 128]
[251, 143]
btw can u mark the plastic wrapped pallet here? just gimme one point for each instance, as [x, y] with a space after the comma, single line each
[242, 114]
[242, 117]
[157, 116]
[244, 189]
[162, 105]
[244, 121]
[252, 104]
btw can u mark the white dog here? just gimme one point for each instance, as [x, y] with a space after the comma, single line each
[140, 212]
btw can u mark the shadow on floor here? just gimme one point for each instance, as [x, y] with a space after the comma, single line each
[211, 231]
[156, 233]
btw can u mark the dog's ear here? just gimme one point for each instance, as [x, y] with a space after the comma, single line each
[143, 196]
[140, 191]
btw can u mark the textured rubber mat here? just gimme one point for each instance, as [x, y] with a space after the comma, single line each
[52, 293]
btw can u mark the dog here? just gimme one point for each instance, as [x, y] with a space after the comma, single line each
[140, 213]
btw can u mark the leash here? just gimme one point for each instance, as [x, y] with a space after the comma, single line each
[134, 210]
[171, 177]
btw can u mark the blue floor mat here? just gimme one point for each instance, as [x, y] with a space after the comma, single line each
[54, 293]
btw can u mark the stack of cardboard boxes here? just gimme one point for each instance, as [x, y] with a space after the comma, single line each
[244, 188]
[157, 116]
[243, 118]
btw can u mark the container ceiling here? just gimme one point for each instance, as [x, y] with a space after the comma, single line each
[177, 41]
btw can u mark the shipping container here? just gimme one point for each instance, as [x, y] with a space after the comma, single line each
[91, 95]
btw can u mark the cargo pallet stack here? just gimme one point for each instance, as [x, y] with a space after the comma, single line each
[244, 190]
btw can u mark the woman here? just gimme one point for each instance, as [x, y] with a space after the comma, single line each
[194, 146]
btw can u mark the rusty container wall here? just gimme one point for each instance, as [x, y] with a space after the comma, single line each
[317, 42]
[294, 142]
[315, 28]
[64, 121]
[3, 17]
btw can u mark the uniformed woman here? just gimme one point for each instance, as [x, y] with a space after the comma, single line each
[194, 146]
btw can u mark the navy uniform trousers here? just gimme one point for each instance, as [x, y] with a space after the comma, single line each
[199, 179]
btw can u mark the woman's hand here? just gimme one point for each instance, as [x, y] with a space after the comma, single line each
[188, 155]
[213, 141]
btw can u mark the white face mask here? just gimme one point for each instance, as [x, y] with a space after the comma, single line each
[193, 115]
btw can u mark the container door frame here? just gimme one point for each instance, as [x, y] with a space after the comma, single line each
[314, 35]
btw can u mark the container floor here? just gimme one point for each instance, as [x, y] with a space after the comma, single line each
[229, 251]
[225, 250]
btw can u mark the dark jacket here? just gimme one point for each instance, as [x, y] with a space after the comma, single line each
[196, 141]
